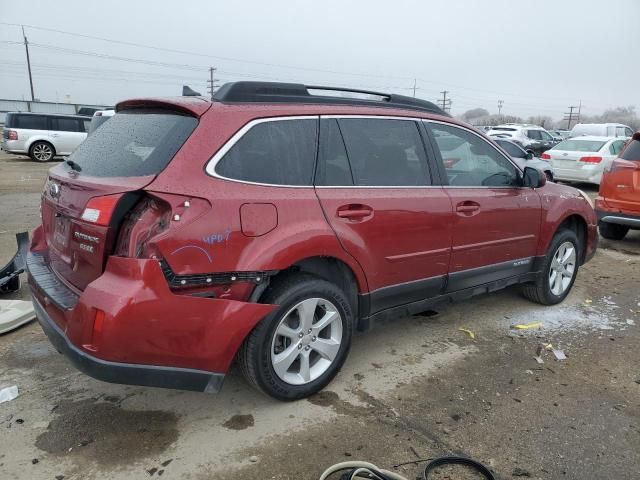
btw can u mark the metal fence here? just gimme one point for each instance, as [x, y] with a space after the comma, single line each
[7, 106]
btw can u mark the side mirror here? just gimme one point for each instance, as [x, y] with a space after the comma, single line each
[533, 178]
[529, 155]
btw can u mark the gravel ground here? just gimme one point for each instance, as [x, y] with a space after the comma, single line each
[412, 388]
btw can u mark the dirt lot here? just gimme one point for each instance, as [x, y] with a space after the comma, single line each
[412, 388]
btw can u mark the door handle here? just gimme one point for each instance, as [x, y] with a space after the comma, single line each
[354, 211]
[468, 207]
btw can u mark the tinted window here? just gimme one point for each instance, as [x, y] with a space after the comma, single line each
[133, 143]
[511, 149]
[632, 152]
[85, 125]
[33, 122]
[545, 136]
[471, 161]
[62, 124]
[628, 132]
[534, 134]
[278, 152]
[385, 152]
[333, 165]
[574, 145]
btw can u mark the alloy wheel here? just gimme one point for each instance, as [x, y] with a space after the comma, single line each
[306, 341]
[562, 268]
[42, 152]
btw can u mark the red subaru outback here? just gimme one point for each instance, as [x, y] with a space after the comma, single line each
[268, 224]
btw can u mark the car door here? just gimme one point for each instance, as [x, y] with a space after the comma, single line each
[66, 134]
[377, 192]
[496, 221]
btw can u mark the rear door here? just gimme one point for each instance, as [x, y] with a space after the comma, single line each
[377, 191]
[496, 221]
[66, 134]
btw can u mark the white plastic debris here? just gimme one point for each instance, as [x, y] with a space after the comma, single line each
[559, 354]
[14, 313]
[8, 394]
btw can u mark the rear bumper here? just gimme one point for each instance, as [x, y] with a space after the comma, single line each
[588, 175]
[632, 221]
[127, 326]
[126, 373]
[14, 146]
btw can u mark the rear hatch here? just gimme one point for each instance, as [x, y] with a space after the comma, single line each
[86, 197]
[623, 179]
[573, 152]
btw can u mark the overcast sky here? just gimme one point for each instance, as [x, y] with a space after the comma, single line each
[538, 56]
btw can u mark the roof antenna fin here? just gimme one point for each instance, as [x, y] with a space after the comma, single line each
[187, 91]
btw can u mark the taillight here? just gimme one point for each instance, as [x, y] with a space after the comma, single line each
[99, 210]
[591, 159]
[12, 135]
[545, 156]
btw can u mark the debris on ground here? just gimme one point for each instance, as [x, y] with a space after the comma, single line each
[520, 472]
[468, 332]
[527, 326]
[14, 314]
[9, 393]
[10, 273]
[559, 354]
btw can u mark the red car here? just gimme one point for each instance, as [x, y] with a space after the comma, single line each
[268, 224]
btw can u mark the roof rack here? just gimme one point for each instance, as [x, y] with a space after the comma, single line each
[276, 92]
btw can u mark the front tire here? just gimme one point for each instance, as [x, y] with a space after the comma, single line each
[613, 231]
[297, 349]
[559, 270]
[42, 152]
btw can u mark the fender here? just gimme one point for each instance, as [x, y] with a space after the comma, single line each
[559, 202]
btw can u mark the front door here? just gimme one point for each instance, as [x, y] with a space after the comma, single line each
[496, 221]
[375, 187]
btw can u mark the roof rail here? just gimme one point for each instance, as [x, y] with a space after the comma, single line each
[276, 92]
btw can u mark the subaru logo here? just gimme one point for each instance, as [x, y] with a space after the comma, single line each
[54, 190]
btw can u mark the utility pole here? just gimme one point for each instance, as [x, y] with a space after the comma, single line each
[445, 103]
[211, 83]
[26, 46]
[414, 88]
[500, 103]
[570, 116]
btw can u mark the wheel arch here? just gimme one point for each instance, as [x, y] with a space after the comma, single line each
[578, 224]
[32, 141]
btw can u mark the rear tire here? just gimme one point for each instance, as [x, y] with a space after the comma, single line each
[297, 349]
[559, 271]
[42, 152]
[613, 231]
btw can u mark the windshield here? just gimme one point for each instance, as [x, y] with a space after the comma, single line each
[580, 145]
[133, 143]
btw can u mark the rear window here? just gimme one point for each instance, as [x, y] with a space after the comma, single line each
[632, 152]
[277, 152]
[133, 143]
[579, 145]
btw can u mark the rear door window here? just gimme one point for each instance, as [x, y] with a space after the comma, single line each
[632, 152]
[31, 122]
[616, 147]
[470, 161]
[333, 164]
[534, 134]
[275, 152]
[384, 152]
[62, 124]
[512, 150]
[134, 143]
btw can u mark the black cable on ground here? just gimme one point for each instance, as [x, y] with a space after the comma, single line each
[467, 462]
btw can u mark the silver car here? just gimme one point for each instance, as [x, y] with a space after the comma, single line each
[43, 136]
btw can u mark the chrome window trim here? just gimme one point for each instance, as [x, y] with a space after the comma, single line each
[210, 167]
[215, 159]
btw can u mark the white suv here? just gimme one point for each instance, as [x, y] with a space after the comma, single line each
[532, 138]
[43, 136]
